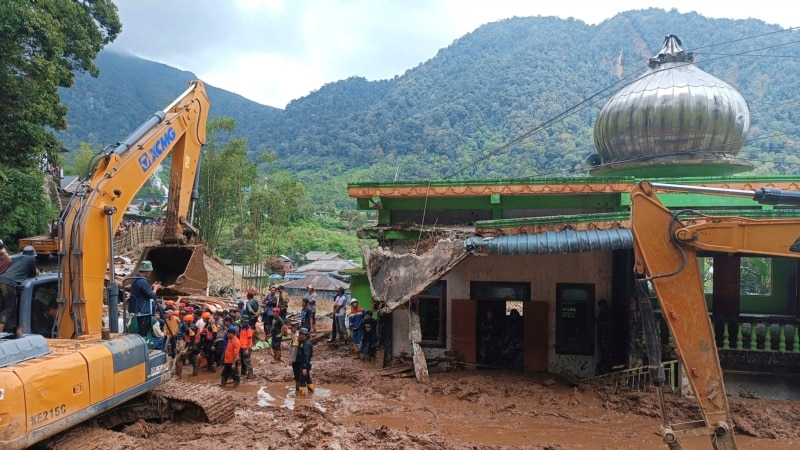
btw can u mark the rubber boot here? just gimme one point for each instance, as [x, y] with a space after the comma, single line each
[178, 368]
[303, 391]
[278, 356]
[211, 368]
[195, 369]
[296, 387]
[223, 381]
[310, 387]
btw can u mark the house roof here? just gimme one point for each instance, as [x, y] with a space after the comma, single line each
[327, 266]
[320, 282]
[69, 183]
[320, 256]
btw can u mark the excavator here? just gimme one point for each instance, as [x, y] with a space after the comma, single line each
[665, 250]
[69, 362]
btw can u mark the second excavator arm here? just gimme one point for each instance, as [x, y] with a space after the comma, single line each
[665, 249]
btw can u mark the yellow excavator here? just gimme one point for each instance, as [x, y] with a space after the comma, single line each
[665, 248]
[69, 361]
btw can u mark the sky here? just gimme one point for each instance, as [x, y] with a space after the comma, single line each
[275, 51]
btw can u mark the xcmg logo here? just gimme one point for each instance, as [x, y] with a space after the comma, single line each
[161, 145]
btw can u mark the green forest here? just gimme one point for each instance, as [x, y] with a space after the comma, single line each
[452, 116]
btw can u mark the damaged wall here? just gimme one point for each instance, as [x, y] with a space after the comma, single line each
[543, 272]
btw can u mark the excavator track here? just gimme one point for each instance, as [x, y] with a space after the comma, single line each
[174, 400]
[211, 404]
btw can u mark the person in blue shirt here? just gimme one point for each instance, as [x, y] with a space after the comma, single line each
[142, 301]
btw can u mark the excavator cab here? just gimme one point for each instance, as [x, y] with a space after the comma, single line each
[180, 269]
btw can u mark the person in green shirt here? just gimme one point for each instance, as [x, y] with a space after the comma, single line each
[277, 331]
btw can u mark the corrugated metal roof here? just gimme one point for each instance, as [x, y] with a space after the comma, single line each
[552, 242]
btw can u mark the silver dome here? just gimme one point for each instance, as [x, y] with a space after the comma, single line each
[674, 113]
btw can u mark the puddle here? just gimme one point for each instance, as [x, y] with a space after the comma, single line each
[282, 395]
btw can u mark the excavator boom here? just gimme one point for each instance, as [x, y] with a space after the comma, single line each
[665, 250]
[95, 211]
[50, 385]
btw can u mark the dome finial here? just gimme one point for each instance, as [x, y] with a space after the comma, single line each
[671, 52]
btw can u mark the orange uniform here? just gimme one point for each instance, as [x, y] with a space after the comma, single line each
[232, 350]
[246, 338]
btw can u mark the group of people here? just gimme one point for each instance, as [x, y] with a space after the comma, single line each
[13, 271]
[356, 327]
[222, 339]
[126, 225]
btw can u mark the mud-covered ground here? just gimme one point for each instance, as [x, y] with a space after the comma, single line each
[358, 406]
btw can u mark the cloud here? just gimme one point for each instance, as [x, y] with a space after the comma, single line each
[274, 51]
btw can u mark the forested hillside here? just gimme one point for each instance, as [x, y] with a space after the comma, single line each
[488, 87]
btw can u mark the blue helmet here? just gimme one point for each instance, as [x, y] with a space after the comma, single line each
[232, 329]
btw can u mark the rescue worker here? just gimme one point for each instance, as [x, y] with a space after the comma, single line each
[142, 298]
[231, 359]
[293, 357]
[305, 351]
[312, 306]
[209, 335]
[219, 340]
[305, 314]
[276, 331]
[171, 325]
[283, 302]
[251, 308]
[246, 337]
[22, 267]
[270, 302]
[189, 353]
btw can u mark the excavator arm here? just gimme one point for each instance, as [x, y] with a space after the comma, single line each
[665, 250]
[93, 214]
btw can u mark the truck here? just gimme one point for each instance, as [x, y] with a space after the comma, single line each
[69, 361]
[46, 245]
[665, 262]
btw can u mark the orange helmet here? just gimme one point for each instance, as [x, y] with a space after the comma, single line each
[188, 318]
[170, 303]
[206, 315]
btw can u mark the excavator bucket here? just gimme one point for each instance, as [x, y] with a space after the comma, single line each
[180, 269]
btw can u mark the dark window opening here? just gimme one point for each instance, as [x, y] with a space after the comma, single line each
[43, 309]
[575, 319]
[430, 305]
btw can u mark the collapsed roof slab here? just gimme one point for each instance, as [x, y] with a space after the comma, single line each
[396, 278]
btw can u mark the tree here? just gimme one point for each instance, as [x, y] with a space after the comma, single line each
[83, 162]
[43, 45]
[226, 175]
[23, 214]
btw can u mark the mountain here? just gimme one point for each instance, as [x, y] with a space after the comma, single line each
[448, 115]
[106, 109]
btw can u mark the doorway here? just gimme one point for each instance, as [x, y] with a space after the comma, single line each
[499, 323]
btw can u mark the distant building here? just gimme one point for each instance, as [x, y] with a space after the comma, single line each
[321, 256]
[325, 285]
[327, 265]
